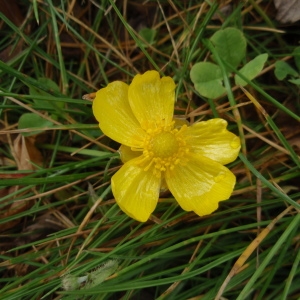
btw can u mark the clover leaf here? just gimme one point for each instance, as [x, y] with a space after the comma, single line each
[31, 120]
[296, 54]
[46, 104]
[207, 78]
[283, 69]
[148, 35]
[230, 45]
[251, 69]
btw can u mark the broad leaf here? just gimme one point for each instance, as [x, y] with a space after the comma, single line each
[283, 69]
[31, 120]
[148, 35]
[45, 104]
[296, 54]
[207, 78]
[251, 69]
[230, 45]
[295, 81]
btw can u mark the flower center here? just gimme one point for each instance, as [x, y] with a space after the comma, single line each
[164, 147]
[164, 144]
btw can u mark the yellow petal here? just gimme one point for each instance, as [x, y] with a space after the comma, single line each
[115, 117]
[152, 98]
[180, 121]
[136, 191]
[211, 139]
[126, 154]
[200, 184]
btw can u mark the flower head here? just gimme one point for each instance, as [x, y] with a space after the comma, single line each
[188, 159]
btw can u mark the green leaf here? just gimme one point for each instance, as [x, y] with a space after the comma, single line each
[296, 54]
[230, 45]
[148, 35]
[31, 120]
[251, 69]
[207, 78]
[51, 85]
[295, 81]
[35, 10]
[283, 69]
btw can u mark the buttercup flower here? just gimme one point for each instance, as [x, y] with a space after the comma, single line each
[188, 160]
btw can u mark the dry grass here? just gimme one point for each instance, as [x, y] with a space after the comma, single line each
[57, 213]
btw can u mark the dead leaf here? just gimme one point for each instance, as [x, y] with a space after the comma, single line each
[26, 153]
[40, 228]
[26, 156]
[11, 209]
[11, 9]
[5, 161]
[295, 142]
[11, 51]
[288, 11]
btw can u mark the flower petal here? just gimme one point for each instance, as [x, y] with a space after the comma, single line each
[135, 190]
[152, 98]
[126, 154]
[112, 110]
[200, 184]
[211, 139]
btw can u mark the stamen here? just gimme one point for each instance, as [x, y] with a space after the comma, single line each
[164, 148]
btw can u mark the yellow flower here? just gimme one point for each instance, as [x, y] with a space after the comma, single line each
[189, 159]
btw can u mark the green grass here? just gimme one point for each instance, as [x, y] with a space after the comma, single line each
[60, 217]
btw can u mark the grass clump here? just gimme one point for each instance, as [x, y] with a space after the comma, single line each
[58, 217]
